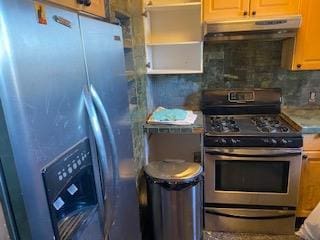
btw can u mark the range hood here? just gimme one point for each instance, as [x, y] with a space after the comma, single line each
[253, 28]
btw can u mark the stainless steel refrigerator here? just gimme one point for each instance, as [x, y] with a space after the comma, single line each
[65, 138]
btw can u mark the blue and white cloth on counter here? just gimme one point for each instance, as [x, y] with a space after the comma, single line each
[172, 116]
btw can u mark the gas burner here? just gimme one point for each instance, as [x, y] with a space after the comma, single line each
[266, 121]
[284, 129]
[267, 129]
[269, 124]
[224, 124]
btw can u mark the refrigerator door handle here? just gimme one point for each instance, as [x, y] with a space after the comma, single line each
[105, 118]
[92, 105]
[114, 154]
[97, 132]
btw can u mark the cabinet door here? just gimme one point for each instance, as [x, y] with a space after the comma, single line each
[309, 184]
[261, 8]
[307, 51]
[224, 10]
[68, 3]
[96, 7]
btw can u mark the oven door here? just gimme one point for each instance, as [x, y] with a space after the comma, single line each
[256, 176]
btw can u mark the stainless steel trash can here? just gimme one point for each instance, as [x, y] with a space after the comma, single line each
[175, 196]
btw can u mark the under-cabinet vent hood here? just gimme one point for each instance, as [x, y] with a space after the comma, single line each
[253, 28]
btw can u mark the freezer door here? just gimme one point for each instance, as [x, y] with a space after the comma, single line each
[42, 74]
[103, 48]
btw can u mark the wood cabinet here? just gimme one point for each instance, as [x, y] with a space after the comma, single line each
[309, 195]
[262, 8]
[303, 53]
[239, 9]
[221, 9]
[67, 3]
[97, 7]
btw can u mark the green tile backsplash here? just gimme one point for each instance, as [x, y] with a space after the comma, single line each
[237, 65]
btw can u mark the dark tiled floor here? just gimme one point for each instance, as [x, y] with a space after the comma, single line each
[244, 236]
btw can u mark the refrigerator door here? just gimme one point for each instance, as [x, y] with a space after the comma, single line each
[42, 74]
[103, 48]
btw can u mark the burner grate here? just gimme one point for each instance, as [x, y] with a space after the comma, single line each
[268, 124]
[224, 124]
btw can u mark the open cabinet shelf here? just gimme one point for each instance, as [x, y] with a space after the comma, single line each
[173, 34]
[176, 58]
[173, 26]
[174, 7]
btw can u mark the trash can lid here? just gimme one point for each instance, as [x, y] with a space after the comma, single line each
[173, 170]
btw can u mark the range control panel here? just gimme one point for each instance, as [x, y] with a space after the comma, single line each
[240, 141]
[66, 166]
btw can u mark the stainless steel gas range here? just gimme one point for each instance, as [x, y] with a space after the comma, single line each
[252, 162]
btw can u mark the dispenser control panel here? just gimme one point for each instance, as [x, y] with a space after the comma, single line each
[66, 166]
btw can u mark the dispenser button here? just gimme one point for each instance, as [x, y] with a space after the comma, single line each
[72, 189]
[58, 203]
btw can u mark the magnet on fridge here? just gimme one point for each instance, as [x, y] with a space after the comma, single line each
[41, 13]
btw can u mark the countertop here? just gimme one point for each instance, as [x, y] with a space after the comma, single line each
[196, 128]
[307, 119]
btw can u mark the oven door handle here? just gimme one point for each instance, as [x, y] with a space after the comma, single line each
[251, 216]
[256, 155]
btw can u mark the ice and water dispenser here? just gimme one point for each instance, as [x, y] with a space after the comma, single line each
[71, 194]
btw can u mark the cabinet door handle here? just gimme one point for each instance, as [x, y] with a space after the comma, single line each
[304, 156]
[87, 3]
[245, 13]
[254, 13]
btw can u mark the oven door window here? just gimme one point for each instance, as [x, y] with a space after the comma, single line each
[252, 176]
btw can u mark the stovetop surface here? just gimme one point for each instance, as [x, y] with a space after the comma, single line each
[247, 118]
[248, 125]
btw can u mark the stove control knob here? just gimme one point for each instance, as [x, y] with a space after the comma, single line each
[274, 141]
[233, 141]
[223, 141]
[284, 141]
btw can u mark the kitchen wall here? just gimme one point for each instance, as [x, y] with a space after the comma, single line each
[237, 65]
[136, 78]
